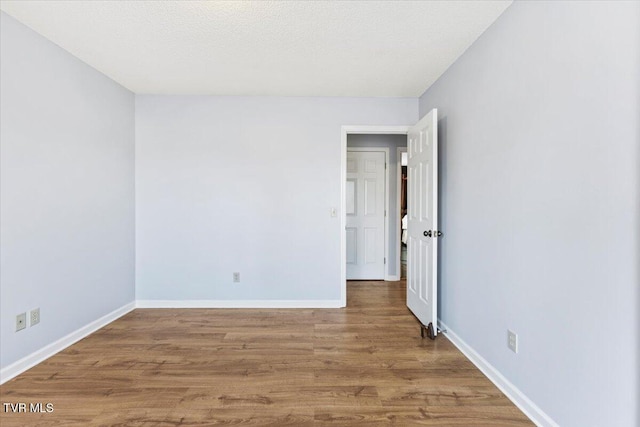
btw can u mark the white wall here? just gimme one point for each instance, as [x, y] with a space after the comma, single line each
[244, 184]
[67, 191]
[540, 164]
[392, 142]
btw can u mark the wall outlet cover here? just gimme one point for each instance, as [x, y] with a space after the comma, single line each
[512, 341]
[34, 317]
[21, 321]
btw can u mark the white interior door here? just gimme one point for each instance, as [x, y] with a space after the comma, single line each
[365, 203]
[422, 227]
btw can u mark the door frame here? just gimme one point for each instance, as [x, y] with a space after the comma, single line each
[344, 131]
[384, 150]
[399, 151]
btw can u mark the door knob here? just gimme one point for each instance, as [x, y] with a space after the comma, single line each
[427, 233]
[438, 233]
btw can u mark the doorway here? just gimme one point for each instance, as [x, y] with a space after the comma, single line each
[402, 180]
[365, 137]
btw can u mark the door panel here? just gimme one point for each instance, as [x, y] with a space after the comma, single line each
[365, 200]
[370, 245]
[350, 202]
[352, 245]
[370, 205]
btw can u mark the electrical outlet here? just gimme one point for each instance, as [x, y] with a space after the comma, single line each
[21, 321]
[512, 341]
[35, 316]
[236, 277]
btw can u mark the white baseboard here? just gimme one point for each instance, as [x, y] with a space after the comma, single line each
[392, 278]
[46, 352]
[530, 409]
[239, 304]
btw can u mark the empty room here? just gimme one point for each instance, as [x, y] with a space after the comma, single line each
[308, 213]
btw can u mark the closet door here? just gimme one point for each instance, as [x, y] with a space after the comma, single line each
[365, 200]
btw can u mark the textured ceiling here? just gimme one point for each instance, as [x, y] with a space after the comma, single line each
[361, 48]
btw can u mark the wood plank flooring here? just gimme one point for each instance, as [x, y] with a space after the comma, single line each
[365, 365]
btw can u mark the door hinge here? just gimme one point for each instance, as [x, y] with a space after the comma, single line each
[385, 166]
[385, 260]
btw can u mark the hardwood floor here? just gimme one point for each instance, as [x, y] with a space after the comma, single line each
[365, 365]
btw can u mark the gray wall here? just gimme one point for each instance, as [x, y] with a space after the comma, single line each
[540, 135]
[392, 142]
[67, 191]
[244, 184]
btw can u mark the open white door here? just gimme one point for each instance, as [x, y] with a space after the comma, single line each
[422, 228]
[365, 200]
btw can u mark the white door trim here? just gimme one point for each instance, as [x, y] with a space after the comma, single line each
[384, 150]
[399, 151]
[344, 131]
